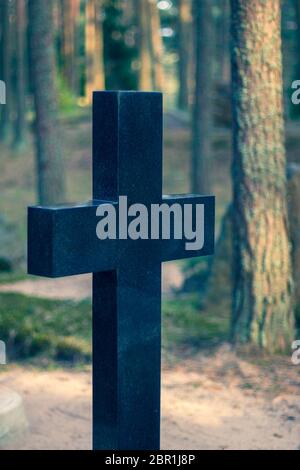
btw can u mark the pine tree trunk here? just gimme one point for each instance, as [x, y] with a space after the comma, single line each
[20, 124]
[93, 50]
[225, 35]
[156, 46]
[70, 12]
[262, 297]
[294, 213]
[184, 24]
[202, 109]
[297, 15]
[6, 69]
[144, 40]
[50, 169]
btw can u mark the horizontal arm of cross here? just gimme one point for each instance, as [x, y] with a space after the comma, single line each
[62, 239]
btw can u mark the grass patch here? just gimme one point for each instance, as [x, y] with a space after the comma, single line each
[59, 330]
[185, 323]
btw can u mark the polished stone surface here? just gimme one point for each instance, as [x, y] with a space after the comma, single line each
[62, 241]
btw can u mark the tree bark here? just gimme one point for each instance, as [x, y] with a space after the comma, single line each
[93, 50]
[50, 168]
[294, 217]
[225, 36]
[202, 108]
[20, 123]
[70, 12]
[144, 44]
[297, 15]
[156, 47]
[262, 294]
[184, 25]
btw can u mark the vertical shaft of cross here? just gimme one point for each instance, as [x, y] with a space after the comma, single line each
[127, 160]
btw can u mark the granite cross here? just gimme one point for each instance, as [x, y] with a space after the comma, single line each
[62, 241]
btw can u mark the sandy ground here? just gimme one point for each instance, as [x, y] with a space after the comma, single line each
[79, 287]
[215, 400]
[211, 401]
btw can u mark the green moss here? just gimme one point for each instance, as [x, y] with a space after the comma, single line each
[58, 329]
[61, 330]
[185, 322]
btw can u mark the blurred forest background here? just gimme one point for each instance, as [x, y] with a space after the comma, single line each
[235, 135]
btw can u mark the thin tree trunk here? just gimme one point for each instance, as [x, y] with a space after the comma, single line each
[156, 46]
[94, 49]
[297, 14]
[184, 25]
[70, 13]
[202, 108]
[50, 169]
[262, 297]
[225, 36]
[144, 40]
[6, 69]
[20, 124]
[294, 213]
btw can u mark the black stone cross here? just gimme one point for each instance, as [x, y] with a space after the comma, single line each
[62, 241]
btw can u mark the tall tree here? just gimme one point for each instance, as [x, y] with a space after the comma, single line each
[20, 124]
[202, 108]
[70, 14]
[50, 168]
[144, 45]
[156, 46]
[294, 212]
[95, 79]
[225, 37]
[262, 297]
[297, 17]
[183, 27]
[6, 51]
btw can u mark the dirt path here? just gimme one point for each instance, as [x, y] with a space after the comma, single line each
[79, 287]
[208, 402]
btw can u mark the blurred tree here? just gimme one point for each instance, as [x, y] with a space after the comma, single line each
[296, 75]
[144, 45]
[156, 47]
[95, 78]
[294, 212]
[50, 168]
[224, 40]
[297, 14]
[184, 26]
[120, 44]
[6, 76]
[289, 47]
[150, 45]
[202, 107]
[20, 123]
[70, 13]
[262, 297]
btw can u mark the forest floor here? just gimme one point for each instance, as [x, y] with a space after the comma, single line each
[79, 287]
[212, 400]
